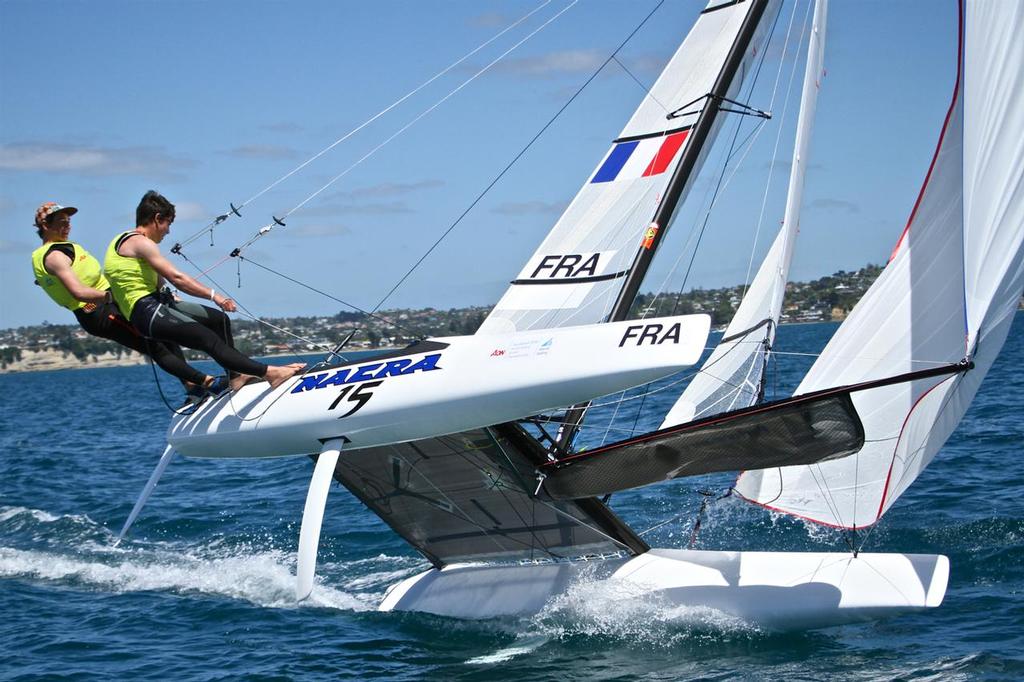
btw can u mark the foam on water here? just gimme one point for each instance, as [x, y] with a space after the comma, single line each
[7, 513]
[263, 578]
[626, 610]
[524, 644]
[83, 555]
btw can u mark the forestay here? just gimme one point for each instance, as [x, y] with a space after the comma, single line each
[576, 274]
[733, 376]
[948, 292]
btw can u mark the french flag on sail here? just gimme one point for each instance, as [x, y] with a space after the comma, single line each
[640, 158]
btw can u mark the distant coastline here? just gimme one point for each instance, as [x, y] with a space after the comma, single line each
[51, 359]
[50, 347]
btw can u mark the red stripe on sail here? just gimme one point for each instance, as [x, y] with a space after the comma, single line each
[666, 153]
[942, 135]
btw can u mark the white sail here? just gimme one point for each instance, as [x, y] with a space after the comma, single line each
[948, 293]
[575, 275]
[732, 377]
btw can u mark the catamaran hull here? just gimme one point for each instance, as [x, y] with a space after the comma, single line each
[440, 386]
[771, 590]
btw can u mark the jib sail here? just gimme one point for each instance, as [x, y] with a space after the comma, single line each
[948, 293]
[733, 376]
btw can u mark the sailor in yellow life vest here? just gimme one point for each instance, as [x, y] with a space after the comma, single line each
[72, 278]
[136, 270]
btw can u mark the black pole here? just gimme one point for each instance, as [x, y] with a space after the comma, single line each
[698, 136]
[691, 153]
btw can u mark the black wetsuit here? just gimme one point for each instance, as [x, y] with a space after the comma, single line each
[194, 326]
[105, 321]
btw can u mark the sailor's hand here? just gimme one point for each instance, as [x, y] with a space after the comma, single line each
[226, 304]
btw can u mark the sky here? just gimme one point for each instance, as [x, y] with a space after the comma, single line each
[212, 102]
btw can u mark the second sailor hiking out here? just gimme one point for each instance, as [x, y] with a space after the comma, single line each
[136, 270]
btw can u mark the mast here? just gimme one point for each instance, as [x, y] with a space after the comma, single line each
[688, 161]
[698, 137]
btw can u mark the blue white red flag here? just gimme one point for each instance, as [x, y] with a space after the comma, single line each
[640, 158]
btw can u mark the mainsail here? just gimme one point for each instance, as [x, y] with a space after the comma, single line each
[474, 495]
[947, 294]
[579, 270]
[733, 376]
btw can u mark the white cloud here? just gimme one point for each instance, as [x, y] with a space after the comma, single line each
[93, 160]
[190, 210]
[262, 151]
[489, 20]
[553, 63]
[834, 205]
[319, 230]
[387, 189]
[282, 127]
[7, 246]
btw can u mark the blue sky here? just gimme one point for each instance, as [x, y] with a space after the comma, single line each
[210, 102]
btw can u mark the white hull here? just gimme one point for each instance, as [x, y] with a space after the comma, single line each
[773, 590]
[466, 383]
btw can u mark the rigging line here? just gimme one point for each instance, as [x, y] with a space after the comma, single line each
[431, 108]
[746, 145]
[295, 336]
[459, 513]
[520, 154]
[372, 315]
[611, 419]
[646, 89]
[243, 310]
[280, 221]
[367, 122]
[586, 525]
[778, 135]
[719, 187]
[524, 490]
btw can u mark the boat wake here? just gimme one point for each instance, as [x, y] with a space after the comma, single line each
[75, 551]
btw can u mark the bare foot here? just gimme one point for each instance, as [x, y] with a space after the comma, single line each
[240, 380]
[278, 374]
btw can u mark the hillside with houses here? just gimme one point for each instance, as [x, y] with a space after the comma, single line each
[57, 346]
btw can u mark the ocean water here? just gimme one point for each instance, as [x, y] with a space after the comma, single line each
[203, 588]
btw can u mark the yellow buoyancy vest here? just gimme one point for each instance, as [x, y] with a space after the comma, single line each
[85, 267]
[130, 278]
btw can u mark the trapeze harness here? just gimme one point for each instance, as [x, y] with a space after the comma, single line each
[103, 319]
[133, 282]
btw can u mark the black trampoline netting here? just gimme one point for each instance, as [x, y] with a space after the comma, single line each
[469, 497]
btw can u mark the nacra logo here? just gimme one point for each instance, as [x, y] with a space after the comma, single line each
[655, 334]
[373, 370]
